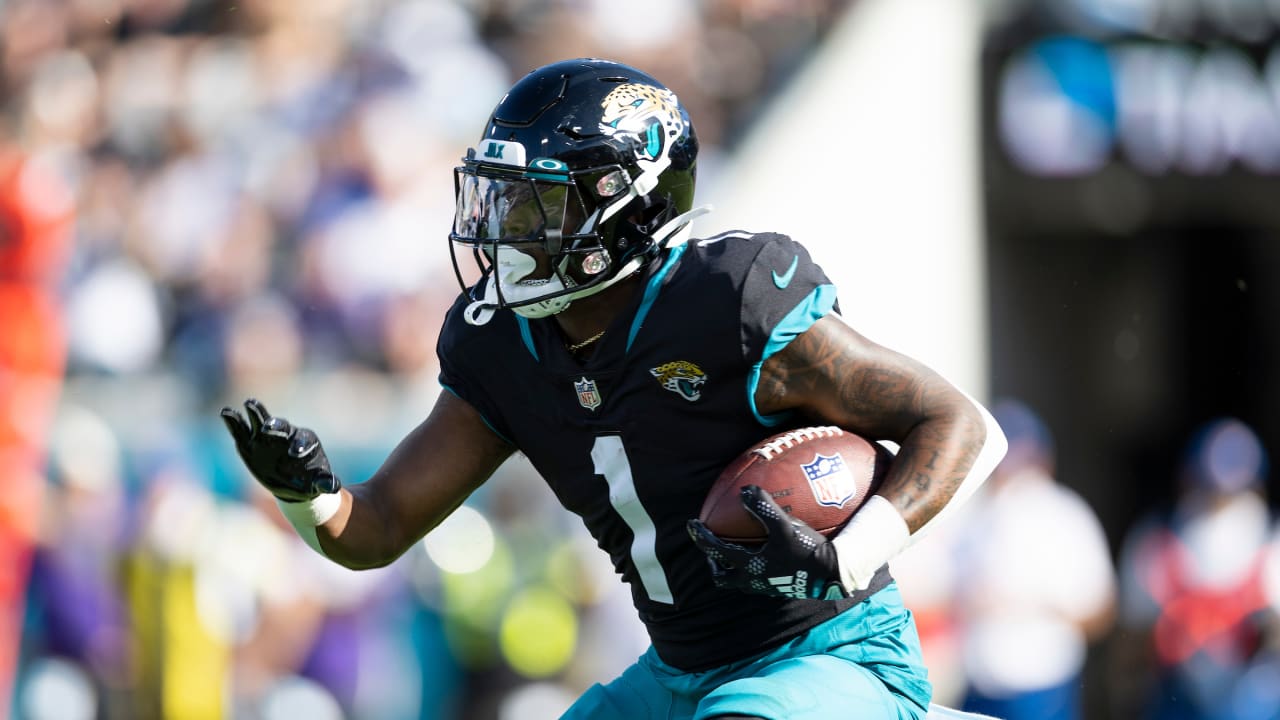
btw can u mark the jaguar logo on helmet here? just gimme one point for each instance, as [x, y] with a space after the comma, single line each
[651, 115]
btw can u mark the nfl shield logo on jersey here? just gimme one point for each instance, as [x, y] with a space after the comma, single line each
[830, 480]
[588, 394]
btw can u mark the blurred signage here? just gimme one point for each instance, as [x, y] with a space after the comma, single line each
[1245, 21]
[1167, 88]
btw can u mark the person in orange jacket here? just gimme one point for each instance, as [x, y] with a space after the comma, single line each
[35, 229]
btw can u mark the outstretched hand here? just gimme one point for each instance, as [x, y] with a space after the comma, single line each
[796, 561]
[289, 461]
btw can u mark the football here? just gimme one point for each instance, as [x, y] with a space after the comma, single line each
[820, 475]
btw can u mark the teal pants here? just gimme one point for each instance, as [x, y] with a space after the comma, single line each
[864, 663]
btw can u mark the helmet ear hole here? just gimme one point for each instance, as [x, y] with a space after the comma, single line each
[654, 213]
[630, 236]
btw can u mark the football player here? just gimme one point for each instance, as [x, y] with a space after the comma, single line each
[631, 365]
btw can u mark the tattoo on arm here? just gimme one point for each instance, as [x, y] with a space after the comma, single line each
[833, 375]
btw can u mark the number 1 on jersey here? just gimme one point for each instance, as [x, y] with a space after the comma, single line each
[610, 460]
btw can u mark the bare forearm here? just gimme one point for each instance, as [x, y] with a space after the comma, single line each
[838, 376]
[943, 456]
[432, 471]
[361, 535]
[941, 460]
[933, 460]
[947, 443]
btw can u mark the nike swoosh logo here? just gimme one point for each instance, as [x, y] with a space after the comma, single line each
[783, 280]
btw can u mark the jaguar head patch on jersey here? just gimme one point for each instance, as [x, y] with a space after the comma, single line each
[682, 378]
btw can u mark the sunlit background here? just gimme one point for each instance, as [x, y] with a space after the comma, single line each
[1070, 208]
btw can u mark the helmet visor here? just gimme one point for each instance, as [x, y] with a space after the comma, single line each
[507, 210]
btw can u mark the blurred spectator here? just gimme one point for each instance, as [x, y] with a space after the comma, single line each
[1200, 591]
[35, 220]
[78, 609]
[1036, 584]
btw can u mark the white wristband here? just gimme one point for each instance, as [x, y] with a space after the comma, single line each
[306, 516]
[874, 535]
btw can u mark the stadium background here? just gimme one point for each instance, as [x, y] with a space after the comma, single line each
[1070, 202]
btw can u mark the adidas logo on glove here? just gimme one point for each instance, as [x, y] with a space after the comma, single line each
[796, 586]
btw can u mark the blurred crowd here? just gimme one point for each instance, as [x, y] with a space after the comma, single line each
[1024, 615]
[252, 197]
[282, 168]
[234, 198]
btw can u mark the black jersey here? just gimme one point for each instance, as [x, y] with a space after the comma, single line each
[632, 438]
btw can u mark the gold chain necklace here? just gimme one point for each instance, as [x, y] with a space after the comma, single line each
[575, 347]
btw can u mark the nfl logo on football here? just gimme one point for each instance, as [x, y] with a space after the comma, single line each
[830, 480]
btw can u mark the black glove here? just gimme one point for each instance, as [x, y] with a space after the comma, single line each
[796, 561]
[287, 460]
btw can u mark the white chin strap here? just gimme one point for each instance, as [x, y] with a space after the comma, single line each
[546, 308]
[512, 267]
[678, 227]
[481, 311]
